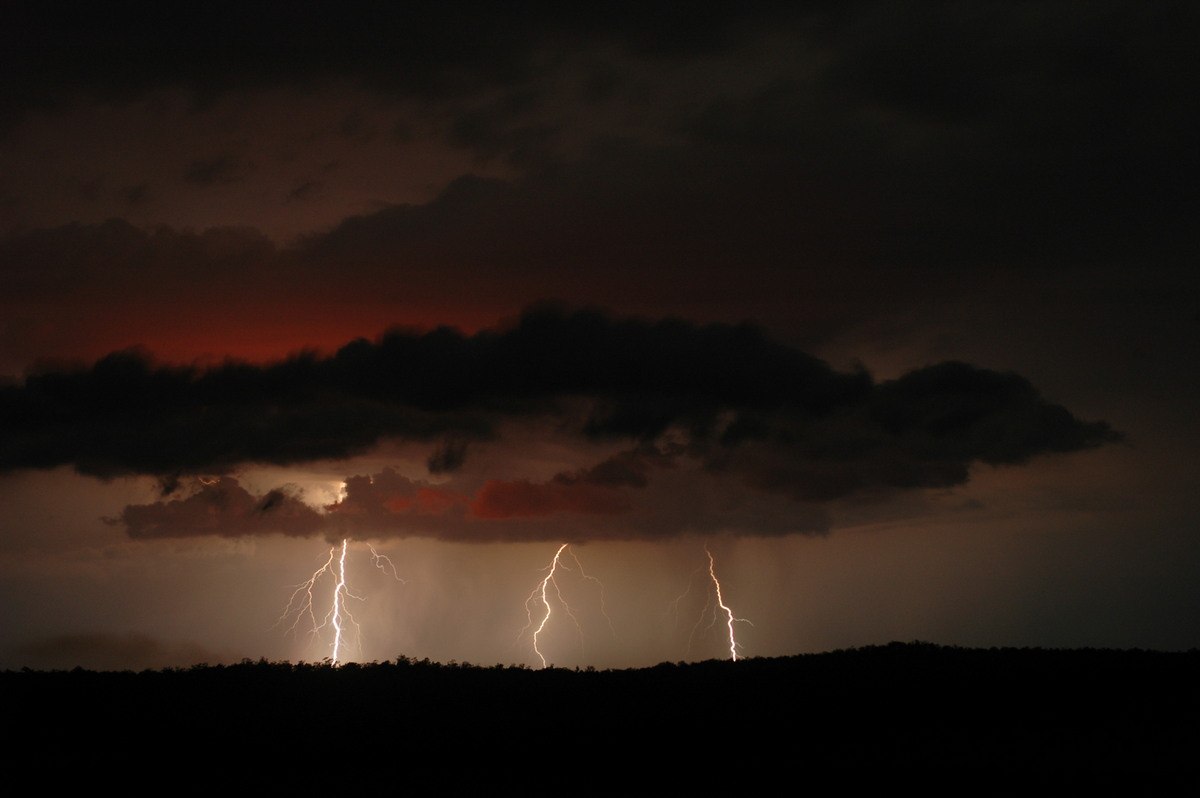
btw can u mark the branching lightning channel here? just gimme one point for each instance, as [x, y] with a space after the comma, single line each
[301, 606]
[714, 607]
[385, 564]
[730, 620]
[541, 594]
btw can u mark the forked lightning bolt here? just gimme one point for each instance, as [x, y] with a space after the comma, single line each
[541, 595]
[714, 606]
[301, 604]
[384, 563]
[712, 572]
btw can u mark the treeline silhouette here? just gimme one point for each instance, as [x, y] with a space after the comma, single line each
[994, 721]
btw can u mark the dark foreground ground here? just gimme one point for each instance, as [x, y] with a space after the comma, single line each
[896, 717]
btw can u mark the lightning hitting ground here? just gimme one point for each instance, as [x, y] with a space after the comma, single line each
[541, 595]
[301, 604]
[714, 607]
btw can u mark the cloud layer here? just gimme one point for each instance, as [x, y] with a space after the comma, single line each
[682, 405]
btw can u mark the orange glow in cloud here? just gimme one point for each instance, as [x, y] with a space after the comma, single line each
[428, 501]
[499, 499]
[211, 329]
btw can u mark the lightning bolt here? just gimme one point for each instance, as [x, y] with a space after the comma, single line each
[541, 595]
[301, 605]
[712, 572]
[384, 563]
[713, 607]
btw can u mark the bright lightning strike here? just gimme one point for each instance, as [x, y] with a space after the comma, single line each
[335, 615]
[714, 606]
[301, 606]
[541, 595]
[712, 572]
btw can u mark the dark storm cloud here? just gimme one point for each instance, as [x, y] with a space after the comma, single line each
[124, 415]
[723, 398]
[449, 456]
[124, 49]
[851, 160]
[863, 134]
[206, 172]
[920, 153]
[115, 259]
[488, 207]
[135, 195]
[221, 507]
[725, 386]
[972, 132]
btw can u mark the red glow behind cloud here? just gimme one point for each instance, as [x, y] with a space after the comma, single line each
[186, 331]
[521, 498]
[428, 501]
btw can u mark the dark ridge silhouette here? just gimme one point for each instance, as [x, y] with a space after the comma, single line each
[973, 721]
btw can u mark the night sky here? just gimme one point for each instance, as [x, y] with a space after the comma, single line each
[892, 308]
